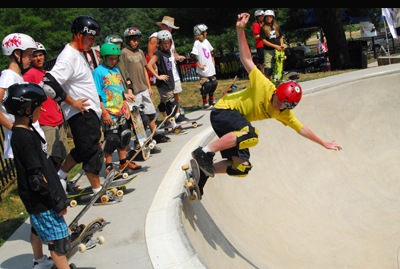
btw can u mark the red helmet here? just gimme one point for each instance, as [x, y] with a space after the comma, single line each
[289, 94]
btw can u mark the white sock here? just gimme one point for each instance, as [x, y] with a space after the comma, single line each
[173, 124]
[206, 149]
[41, 260]
[61, 174]
[177, 115]
[95, 191]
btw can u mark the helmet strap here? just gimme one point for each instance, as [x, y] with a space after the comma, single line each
[79, 42]
[19, 62]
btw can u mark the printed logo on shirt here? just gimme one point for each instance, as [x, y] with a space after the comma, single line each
[167, 63]
[206, 53]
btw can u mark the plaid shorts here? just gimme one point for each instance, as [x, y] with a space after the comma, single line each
[49, 225]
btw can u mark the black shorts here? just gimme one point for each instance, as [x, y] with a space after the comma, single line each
[86, 131]
[225, 121]
[260, 54]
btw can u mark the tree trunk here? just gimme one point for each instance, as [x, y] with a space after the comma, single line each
[330, 19]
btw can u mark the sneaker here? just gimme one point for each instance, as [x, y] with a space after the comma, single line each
[161, 138]
[205, 161]
[206, 106]
[181, 119]
[46, 264]
[155, 150]
[131, 166]
[179, 130]
[109, 169]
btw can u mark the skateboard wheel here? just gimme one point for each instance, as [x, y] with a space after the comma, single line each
[104, 199]
[185, 167]
[113, 192]
[192, 197]
[73, 203]
[151, 146]
[189, 184]
[171, 120]
[101, 240]
[81, 248]
[194, 124]
[120, 193]
[72, 266]
[125, 175]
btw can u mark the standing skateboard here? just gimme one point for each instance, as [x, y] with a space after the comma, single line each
[149, 139]
[114, 192]
[192, 121]
[140, 132]
[233, 87]
[278, 67]
[192, 180]
[81, 237]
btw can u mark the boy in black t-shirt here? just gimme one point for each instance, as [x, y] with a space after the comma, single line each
[165, 79]
[39, 186]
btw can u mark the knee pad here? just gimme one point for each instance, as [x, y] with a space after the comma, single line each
[125, 138]
[214, 85]
[207, 87]
[61, 246]
[162, 107]
[171, 107]
[248, 140]
[268, 71]
[95, 163]
[240, 171]
[111, 143]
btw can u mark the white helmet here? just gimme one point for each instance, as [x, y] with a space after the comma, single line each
[199, 28]
[163, 35]
[258, 13]
[17, 41]
[40, 47]
[269, 13]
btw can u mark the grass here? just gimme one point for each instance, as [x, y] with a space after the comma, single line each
[12, 210]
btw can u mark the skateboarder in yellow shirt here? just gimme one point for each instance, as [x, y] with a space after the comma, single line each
[231, 117]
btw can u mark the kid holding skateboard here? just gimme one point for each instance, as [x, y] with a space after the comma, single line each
[231, 117]
[115, 111]
[203, 54]
[165, 79]
[38, 184]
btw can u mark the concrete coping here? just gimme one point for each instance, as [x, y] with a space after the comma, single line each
[167, 242]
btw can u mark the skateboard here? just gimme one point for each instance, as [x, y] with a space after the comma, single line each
[232, 87]
[114, 191]
[192, 121]
[149, 139]
[192, 180]
[278, 67]
[140, 132]
[81, 237]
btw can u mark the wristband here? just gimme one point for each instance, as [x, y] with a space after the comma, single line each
[105, 114]
[239, 26]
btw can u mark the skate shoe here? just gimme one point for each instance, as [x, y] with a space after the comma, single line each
[45, 264]
[179, 130]
[205, 161]
[131, 166]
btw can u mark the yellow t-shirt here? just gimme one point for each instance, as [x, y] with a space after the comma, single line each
[255, 103]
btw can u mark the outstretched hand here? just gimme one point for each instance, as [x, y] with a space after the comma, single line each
[332, 146]
[242, 19]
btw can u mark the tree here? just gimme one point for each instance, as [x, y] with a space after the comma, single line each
[330, 20]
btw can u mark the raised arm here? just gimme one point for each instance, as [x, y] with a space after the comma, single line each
[244, 51]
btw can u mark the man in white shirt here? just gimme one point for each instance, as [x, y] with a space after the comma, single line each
[71, 82]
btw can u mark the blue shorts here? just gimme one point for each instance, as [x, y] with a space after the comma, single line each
[225, 121]
[49, 225]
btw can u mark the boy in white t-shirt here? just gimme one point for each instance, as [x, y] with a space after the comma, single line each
[203, 54]
[71, 82]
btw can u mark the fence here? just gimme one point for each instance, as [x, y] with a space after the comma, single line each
[7, 173]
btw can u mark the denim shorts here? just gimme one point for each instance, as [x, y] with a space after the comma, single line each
[225, 121]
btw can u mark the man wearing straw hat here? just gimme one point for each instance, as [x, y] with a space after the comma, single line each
[168, 23]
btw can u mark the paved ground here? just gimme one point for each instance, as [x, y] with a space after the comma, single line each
[306, 207]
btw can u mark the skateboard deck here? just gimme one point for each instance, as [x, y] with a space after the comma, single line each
[192, 121]
[82, 235]
[278, 67]
[232, 87]
[192, 180]
[149, 139]
[140, 132]
[116, 187]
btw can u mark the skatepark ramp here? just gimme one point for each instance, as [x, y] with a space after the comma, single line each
[301, 206]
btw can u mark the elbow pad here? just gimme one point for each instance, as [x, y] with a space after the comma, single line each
[194, 57]
[52, 88]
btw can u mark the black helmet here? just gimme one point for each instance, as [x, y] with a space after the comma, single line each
[20, 96]
[85, 25]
